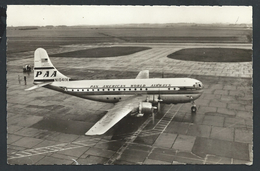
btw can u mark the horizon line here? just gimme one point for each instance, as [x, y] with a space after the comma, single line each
[131, 24]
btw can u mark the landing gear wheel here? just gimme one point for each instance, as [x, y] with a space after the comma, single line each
[193, 109]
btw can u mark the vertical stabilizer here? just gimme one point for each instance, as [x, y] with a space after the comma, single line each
[44, 71]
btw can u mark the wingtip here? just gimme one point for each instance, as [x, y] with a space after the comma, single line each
[87, 133]
[90, 132]
[93, 132]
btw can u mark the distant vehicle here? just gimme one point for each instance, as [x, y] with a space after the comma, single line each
[27, 68]
[137, 95]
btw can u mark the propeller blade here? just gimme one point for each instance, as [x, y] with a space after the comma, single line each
[159, 107]
[153, 115]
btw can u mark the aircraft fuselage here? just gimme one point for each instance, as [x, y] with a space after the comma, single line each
[168, 90]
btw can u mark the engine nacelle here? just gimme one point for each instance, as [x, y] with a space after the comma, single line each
[145, 107]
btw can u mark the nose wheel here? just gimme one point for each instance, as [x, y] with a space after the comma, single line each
[193, 107]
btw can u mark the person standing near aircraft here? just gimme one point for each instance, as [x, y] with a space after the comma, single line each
[24, 80]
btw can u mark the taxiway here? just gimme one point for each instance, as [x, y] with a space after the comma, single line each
[47, 127]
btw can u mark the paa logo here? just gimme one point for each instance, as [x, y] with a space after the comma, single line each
[46, 74]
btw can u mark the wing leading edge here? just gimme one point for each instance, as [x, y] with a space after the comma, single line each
[114, 115]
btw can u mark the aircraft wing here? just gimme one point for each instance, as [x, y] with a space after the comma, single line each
[143, 74]
[114, 115]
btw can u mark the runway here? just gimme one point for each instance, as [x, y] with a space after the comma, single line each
[47, 127]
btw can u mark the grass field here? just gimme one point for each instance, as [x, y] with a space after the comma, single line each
[101, 52]
[213, 55]
[28, 39]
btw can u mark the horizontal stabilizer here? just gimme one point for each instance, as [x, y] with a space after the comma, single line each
[37, 86]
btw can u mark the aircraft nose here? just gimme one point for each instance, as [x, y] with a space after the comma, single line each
[200, 85]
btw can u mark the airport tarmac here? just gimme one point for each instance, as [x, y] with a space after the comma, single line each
[47, 127]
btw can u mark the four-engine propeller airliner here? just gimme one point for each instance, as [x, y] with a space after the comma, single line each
[138, 95]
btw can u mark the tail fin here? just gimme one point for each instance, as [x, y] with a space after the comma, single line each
[44, 71]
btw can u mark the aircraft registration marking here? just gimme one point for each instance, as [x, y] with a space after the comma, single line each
[61, 79]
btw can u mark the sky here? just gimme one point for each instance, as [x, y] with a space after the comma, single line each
[42, 15]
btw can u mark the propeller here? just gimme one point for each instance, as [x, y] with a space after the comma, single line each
[153, 108]
[140, 114]
[153, 115]
[159, 97]
[159, 103]
[159, 107]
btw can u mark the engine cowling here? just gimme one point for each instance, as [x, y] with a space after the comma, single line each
[145, 107]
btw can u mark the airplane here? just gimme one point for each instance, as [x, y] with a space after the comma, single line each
[139, 95]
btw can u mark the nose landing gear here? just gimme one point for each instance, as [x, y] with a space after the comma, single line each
[193, 107]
